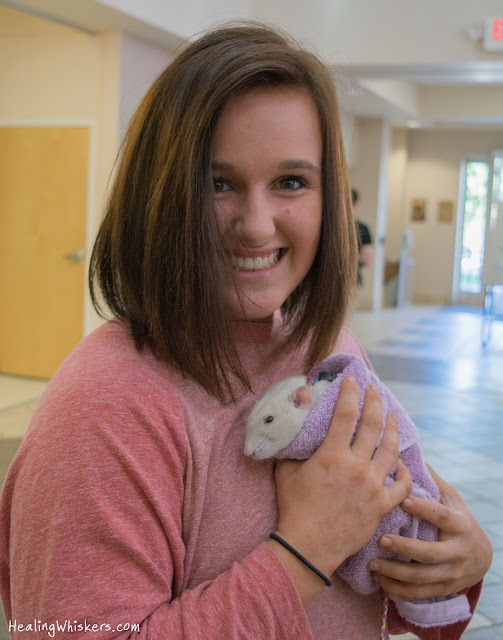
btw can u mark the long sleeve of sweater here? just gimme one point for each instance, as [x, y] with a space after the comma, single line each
[131, 512]
[92, 524]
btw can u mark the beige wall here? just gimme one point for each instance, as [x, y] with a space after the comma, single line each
[422, 164]
[433, 173]
[49, 77]
[52, 74]
[56, 75]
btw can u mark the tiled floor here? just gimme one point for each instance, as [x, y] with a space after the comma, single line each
[432, 360]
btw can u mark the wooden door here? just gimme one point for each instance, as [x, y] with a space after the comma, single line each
[43, 204]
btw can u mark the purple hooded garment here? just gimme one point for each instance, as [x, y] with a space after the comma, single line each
[425, 613]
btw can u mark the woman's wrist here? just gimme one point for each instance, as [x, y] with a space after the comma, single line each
[306, 581]
[302, 558]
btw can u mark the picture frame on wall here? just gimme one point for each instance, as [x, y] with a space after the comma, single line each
[418, 210]
[445, 211]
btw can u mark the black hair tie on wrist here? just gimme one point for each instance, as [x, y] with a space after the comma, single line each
[285, 544]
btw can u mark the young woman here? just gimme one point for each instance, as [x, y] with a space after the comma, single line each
[228, 257]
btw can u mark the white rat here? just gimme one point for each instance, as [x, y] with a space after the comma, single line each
[278, 416]
[291, 420]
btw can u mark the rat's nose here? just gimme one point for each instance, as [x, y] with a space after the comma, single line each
[249, 451]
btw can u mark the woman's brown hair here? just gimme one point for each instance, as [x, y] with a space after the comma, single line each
[159, 259]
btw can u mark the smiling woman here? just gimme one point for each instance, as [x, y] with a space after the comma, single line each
[227, 257]
[269, 216]
[236, 152]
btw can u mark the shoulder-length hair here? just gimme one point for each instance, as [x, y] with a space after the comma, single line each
[159, 260]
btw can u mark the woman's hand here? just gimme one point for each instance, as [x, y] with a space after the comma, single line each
[330, 505]
[458, 560]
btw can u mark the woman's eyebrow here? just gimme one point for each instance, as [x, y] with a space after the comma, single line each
[221, 166]
[286, 165]
[291, 165]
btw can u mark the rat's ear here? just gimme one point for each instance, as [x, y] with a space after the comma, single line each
[302, 397]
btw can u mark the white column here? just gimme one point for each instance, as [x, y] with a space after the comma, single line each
[370, 176]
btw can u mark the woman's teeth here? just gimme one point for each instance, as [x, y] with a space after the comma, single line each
[254, 264]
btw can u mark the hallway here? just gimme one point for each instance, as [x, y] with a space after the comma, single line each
[432, 360]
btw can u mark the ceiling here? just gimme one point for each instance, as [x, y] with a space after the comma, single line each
[404, 93]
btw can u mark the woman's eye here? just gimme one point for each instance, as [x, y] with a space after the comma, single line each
[219, 185]
[292, 183]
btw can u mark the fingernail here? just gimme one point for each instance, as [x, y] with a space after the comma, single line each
[386, 542]
[373, 566]
[350, 379]
[407, 503]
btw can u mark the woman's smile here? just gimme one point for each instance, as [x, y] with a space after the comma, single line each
[260, 263]
[268, 194]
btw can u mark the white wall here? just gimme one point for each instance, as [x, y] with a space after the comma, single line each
[369, 175]
[397, 217]
[140, 64]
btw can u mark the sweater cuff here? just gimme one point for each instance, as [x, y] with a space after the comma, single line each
[276, 585]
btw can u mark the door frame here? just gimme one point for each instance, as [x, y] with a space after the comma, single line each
[457, 296]
[494, 153]
[87, 320]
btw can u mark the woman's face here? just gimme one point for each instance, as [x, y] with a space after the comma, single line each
[268, 194]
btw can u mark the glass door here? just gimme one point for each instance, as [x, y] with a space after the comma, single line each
[469, 269]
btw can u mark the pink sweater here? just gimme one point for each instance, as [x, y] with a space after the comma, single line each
[130, 502]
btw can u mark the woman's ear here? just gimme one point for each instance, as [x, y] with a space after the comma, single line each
[302, 397]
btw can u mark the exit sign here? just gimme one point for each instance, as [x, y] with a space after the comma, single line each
[493, 34]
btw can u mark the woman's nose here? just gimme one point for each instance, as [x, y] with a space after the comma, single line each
[254, 222]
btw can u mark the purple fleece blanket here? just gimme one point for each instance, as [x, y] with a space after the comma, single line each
[425, 613]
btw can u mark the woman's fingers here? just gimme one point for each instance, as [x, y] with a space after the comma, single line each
[386, 454]
[342, 426]
[425, 552]
[433, 575]
[459, 558]
[442, 516]
[401, 487]
[407, 572]
[371, 460]
[344, 419]
[411, 591]
[371, 423]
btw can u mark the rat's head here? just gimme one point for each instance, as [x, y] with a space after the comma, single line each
[277, 418]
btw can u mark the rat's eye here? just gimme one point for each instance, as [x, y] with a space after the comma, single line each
[268, 419]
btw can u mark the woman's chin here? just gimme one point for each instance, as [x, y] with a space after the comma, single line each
[250, 311]
[259, 318]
